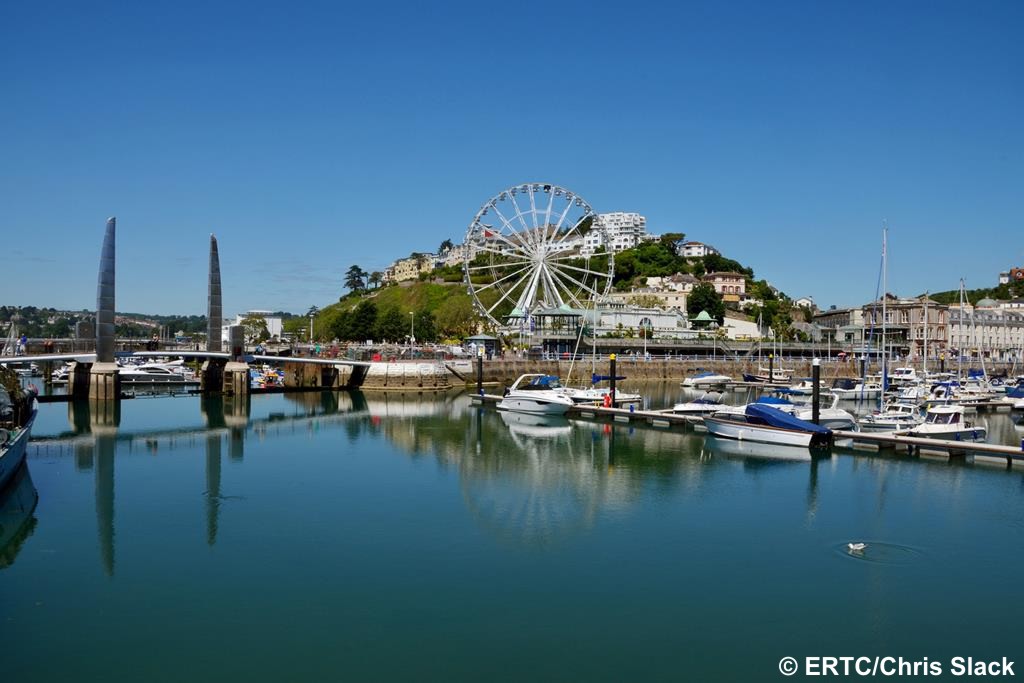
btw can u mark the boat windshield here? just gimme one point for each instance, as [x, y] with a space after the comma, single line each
[943, 418]
[544, 382]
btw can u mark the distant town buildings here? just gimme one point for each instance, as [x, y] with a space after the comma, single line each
[695, 250]
[617, 232]
[409, 268]
[987, 330]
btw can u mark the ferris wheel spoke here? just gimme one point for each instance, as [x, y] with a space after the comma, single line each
[498, 265]
[532, 276]
[519, 215]
[576, 282]
[553, 288]
[529, 294]
[502, 279]
[575, 228]
[583, 270]
[533, 209]
[567, 289]
[547, 212]
[519, 252]
[507, 224]
[497, 234]
[499, 301]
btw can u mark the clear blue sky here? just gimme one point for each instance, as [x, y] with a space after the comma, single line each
[311, 136]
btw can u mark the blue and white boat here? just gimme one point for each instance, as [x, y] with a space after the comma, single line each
[15, 430]
[765, 424]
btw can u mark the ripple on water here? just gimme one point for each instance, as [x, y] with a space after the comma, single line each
[879, 552]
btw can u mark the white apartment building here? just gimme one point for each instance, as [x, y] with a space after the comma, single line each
[987, 331]
[695, 250]
[616, 231]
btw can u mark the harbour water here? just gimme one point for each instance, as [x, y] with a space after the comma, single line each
[342, 536]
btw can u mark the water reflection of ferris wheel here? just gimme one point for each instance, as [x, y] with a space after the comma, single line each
[540, 483]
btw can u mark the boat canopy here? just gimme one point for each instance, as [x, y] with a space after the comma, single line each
[774, 400]
[776, 418]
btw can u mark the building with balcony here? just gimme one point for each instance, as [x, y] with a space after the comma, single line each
[907, 326]
[732, 286]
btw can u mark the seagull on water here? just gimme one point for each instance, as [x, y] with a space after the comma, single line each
[856, 547]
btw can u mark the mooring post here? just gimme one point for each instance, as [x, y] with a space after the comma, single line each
[480, 371]
[771, 368]
[815, 390]
[611, 379]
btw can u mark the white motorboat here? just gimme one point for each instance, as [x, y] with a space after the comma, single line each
[706, 404]
[156, 373]
[829, 417]
[60, 375]
[596, 396]
[893, 416]
[947, 422]
[849, 389]
[706, 380]
[900, 377]
[763, 374]
[767, 424]
[804, 387]
[533, 393]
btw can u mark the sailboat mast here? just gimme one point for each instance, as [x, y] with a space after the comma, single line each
[960, 341]
[885, 296]
[924, 368]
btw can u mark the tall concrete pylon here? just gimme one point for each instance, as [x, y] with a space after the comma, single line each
[105, 297]
[104, 380]
[214, 310]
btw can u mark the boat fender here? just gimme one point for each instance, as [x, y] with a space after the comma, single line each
[607, 401]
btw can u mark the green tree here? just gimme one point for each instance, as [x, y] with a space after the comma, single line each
[392, 325]
[456, 317]
[361, 323]
[355, 279]
[705, 298]
[375, 278]
[672, 239]
[445, 247]
[426, 328]
[255, 328]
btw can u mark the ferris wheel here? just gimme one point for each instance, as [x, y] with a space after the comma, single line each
[532, 247]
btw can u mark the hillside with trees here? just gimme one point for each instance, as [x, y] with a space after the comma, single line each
[1011, 290]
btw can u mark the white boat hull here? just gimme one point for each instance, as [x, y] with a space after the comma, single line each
[925, 431]
[742, 431]
[535, 406]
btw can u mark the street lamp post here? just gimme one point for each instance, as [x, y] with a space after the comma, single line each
[412, 331]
